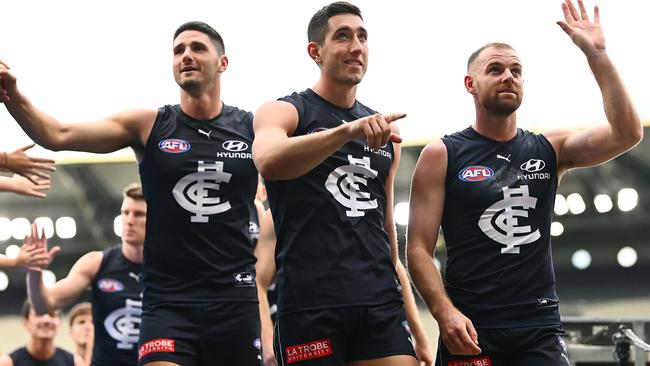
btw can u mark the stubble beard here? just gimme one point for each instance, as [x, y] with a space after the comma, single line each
[190, 86]
[501, 108]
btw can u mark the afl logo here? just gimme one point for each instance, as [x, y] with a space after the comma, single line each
[174, 146]
[110, 285]
[234, 145]
[533, 165]
[476, 173]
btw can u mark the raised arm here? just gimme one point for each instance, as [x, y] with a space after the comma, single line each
[425, 215]
[278, 156]
[63, 292]
[265, 276]
[123, 129]
[598, 144]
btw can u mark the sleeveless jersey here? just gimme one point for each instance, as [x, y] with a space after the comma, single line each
[199, 182]
[117, 305]
[331, 248]
[496, 223]
[21, 357]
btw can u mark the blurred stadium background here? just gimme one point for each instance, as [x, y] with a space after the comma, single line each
[601, 240]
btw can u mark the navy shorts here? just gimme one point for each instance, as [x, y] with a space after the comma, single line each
[202, 334]
[336, 336]
[529, 346]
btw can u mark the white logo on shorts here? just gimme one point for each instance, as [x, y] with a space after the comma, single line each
[123, 324]
[191, 191]
[345, 182]
[500, 221]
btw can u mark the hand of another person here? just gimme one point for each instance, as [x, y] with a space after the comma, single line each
[7, 83]
[35, 187]
[39, 242]
[29, 167]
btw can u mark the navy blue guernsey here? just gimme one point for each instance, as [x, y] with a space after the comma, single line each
[331, 248]
[496, 222]
[21, 357]
[199, 181]
[117, 305]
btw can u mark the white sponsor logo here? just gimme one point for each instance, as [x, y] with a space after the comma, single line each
[234, 145]
[191, 191]
[533, 165]
[500, 221]
[244, 279]
[123, 324]
[345, 182]
[506, 158]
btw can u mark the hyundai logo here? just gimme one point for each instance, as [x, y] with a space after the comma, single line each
[533, 165]
[234, 145]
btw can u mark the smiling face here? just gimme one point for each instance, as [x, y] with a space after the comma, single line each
[197, 62]
[343, 55]
[496, 81]
[42, 327]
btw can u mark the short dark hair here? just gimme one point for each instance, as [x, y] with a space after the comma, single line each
[475, 54]
[319, 23]
[82, 308]
[27, 307]
[133, 190]
[206, 29]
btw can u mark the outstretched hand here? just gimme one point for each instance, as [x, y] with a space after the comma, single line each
[38, 243]
[7, 83]
[29, 167]
[586, 34]
[27, 187]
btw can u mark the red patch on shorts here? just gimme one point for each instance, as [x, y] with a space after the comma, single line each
[156, 346]
[307, 351]
[481, 361]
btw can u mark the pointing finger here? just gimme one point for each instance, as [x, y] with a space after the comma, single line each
[390, 118]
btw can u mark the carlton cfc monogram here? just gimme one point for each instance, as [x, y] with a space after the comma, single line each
[191, 191]
[500, 221]
[344, 184]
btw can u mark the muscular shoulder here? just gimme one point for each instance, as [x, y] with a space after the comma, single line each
[434, 151]
[88, 265]
[432, 162]
[277, 113]
[557, 137]
[5, 360]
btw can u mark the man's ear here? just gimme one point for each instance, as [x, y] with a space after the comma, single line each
[469, 84]
[313, 49]
[222, 63]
